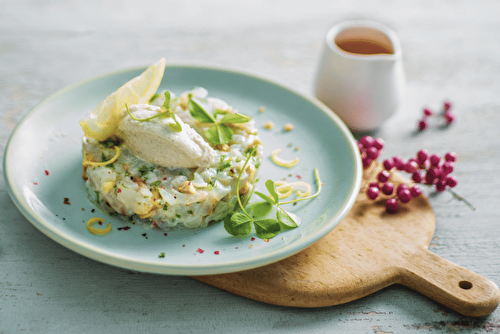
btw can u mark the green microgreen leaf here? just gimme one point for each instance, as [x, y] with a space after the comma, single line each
[235, 118]
[272, 190]
[154, 97]
[166, 103]
[265, 197]
[199, 113]
[220, 112]
[259, 210]
[177, 127]
[238, 224]
[219, 134]
[267, 228]
[287, 219]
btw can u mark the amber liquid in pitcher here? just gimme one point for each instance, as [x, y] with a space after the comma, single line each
[363, 47]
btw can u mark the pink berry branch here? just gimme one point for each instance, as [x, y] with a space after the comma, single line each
[427, 169]
[447, 115]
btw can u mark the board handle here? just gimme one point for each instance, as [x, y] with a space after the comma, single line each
[449, 284]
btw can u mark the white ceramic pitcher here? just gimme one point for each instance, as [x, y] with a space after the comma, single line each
[360, 74]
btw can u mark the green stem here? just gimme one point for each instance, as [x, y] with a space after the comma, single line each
[143, 119]
[238, 182]
[319, 185]
[461, 199]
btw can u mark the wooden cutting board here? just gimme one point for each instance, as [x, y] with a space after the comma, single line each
[369, 250]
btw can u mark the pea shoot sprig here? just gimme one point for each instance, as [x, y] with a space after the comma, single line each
[166, 112]
[219, 132]
[240, 223]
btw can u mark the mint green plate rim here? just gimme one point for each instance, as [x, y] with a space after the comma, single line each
[48, 138]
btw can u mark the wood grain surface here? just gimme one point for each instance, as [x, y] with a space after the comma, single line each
[369, 250]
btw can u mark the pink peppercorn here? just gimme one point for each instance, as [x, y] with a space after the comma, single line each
[446, 105]
[428, 112]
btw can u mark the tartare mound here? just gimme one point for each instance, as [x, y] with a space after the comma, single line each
[164, 170]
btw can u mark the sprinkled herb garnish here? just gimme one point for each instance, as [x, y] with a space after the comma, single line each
[155, 184]
[143, 170]
[240, 223]
[111, 142]
[98, 196]
[225, 165]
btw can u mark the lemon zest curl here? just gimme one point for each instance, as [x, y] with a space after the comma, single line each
[281, 162]
[88, 162]
[97, 231]
[285, 189]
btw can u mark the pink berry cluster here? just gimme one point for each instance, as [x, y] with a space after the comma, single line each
[428, 169]
[447, 114]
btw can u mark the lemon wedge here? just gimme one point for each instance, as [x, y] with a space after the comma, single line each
[105, 118]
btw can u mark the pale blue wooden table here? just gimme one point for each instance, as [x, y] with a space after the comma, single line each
[451, 51]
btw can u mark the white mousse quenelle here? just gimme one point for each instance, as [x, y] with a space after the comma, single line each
[157, 143]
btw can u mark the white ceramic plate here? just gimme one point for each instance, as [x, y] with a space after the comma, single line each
[48, 141]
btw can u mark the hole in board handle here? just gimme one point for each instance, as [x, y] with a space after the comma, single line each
[466, 285]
